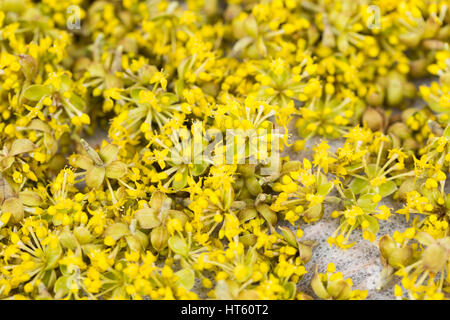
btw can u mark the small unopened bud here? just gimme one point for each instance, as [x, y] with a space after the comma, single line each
[159, 238]
[375, 119]
[394, 89]
[400, 130]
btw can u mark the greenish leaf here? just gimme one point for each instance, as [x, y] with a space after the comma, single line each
[365, 202]
[178, 245]
[180, 184]
[62, 286]
[186, 278]
[387, 188]
[373, 227]
[36, 92]
[53, 254]
[357, 185]
[324, 189]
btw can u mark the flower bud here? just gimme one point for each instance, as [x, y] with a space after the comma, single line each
[400, 130]
[159, 238]
[394, 88]
[375, 119]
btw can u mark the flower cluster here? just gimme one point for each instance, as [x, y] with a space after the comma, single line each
[195, 101]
